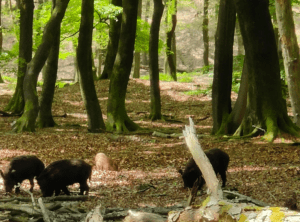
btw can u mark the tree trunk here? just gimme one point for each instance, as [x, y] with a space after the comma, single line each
[290, 53]
[112, 47]
[137, 55]
[155, 103]
[16, 103]
[145, 54]
[171, 58]
[84, 61]
[27, 121]
[205, 33]
[221, 90]
[266, 108]
[1, 36]
[45, 118]
[236, 116]
[117, 118]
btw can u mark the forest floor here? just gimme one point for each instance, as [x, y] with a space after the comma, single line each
[265, 171]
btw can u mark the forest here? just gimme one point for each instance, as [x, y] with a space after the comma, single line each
[117, 92]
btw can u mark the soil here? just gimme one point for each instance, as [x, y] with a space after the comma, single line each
[265, 171]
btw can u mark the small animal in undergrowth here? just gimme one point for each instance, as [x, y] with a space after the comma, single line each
[103, 162]
[59, 174]
[219, 161]
[21, 168]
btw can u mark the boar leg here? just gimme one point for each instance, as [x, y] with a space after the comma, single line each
[84, 187]
[31, 184]
[65, 189]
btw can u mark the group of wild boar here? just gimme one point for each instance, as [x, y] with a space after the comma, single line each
[62, 173]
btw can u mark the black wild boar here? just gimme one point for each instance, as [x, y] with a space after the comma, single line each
[21, 168]
[219, 161]
[59, 174]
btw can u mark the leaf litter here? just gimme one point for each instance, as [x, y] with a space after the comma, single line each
[265, 171]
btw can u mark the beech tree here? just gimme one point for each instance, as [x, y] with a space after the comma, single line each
[266, 108]
[205, 33]
[27, 121]
[221, 90]
[137, 55]
[84, 61]
[45, 118]
[290, 51]
[112, 47]
[16, 103]
[155, 103]
[117, 118]
[171, 20]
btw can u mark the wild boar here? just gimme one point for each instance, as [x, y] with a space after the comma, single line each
[105, 163]
[21, 168]
[219, 161]
[59, 174]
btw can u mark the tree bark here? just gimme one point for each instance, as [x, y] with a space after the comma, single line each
[155, 103]
[221, 90]
[205, 33]
[238, 112]
[27, 121]
[45, 118]
[291, 56]
[137, 55]
[171, 55]
[147, 9]
[266, 108]
[112, 47]
[16, 104]
[117, 118]
[84, 61]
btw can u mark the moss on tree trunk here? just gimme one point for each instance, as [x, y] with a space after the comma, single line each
[27, 121]
[117, 118]
[16, 104]
[266, 109]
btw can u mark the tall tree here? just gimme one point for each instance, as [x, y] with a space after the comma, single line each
[205, 33]
[16, 103]
[117, 118]
[290, 51]
[112, 47]
[137, 55]
[1, 36]
[147, 9]
[84, 61]
[266, 108]
[45, 118]
[171, 53]
[155, 104]
[27, 121]
[221, 91]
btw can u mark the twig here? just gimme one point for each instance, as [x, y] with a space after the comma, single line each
[45, 215]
